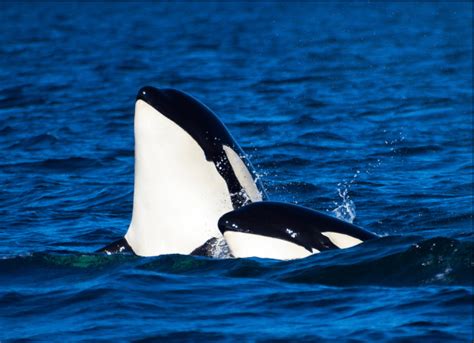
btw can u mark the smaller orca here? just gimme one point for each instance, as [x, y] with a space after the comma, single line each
[286, 231]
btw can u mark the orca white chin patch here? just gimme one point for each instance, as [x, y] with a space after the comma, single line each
[178, 194]
[252, 245]
[341, 240]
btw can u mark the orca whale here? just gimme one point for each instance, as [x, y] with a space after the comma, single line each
[285, 231]
[189, 171]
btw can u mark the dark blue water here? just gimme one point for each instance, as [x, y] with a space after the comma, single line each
[362, 110]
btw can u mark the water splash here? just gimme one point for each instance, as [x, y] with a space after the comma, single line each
[346, 209]
[394, 142]
[220, 249]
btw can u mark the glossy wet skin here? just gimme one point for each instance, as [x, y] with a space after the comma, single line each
[296, 224]
[207, 130]
[188, 172]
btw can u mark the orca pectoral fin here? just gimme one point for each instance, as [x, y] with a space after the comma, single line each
[118, 247]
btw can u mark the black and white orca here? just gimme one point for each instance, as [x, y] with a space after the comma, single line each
[286, 231]
[189, 171]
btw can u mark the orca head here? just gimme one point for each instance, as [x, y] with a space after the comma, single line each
[210, 134]
[285, 231]
[190, 115]
[257, 230]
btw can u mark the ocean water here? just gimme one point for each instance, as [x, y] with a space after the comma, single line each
[361, 110]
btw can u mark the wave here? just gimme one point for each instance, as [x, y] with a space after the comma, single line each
[395, 261]
[435, 261]
[44, 139]
[60, 164]
[413, 150]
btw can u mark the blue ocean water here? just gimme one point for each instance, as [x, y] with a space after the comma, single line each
[363, 110]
